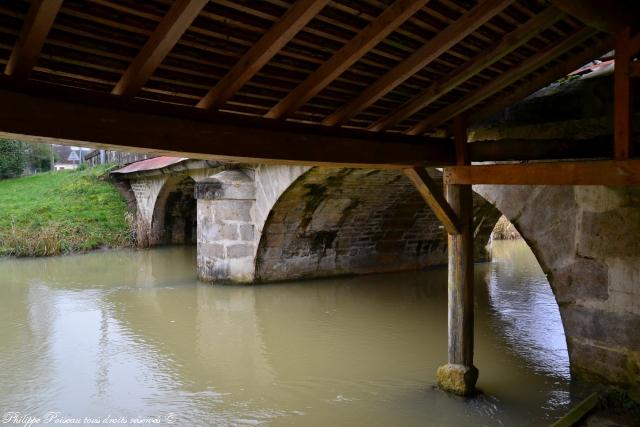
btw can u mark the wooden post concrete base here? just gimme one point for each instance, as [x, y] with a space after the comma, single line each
[459, 376]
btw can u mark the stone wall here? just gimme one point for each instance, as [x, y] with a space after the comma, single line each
[587, 240]
[343, 221]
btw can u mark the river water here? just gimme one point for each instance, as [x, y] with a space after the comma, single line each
[132, 336]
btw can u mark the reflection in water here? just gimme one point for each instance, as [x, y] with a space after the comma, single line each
[132, 333]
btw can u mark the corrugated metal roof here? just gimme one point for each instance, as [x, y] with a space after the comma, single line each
[150, 164]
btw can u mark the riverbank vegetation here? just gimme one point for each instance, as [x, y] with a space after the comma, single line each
[504, 230]
[61, 212]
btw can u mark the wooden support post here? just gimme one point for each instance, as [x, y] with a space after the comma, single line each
[622, 96]
[459, 376]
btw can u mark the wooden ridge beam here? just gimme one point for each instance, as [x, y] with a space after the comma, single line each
[294, 20]
[546, 78]
[435, 47]
[368, 38]
[160, 43]
[35, 29]
[434, 198]
[508, 44]
[501, 82]
[603, 172]
[39, 110]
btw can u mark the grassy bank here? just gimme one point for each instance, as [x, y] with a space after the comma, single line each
[61, 212]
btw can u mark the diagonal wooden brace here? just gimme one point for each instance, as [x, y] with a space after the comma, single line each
[434, 198]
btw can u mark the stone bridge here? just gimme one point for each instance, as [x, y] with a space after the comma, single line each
[271, 223]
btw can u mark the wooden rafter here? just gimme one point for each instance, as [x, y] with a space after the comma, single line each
[373, 34]
[434, 198]
[444, 40]
[160, 43]
[508, 44]
[506, 79]
[604, 172]
[295, 19]
[546, 78]
[35, 29]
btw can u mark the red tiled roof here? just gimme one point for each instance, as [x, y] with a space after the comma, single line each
[150, 164]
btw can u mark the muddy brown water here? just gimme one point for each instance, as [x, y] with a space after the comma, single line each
[133, 335]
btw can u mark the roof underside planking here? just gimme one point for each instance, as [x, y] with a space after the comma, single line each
[392, 67]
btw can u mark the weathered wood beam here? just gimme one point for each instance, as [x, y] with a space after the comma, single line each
[431, 50]
[98, 119]
[368, 38]
[610, 16]
[623, 108]
[35, 29]
[458, 131]
[434, 198]
[603, 172]
[459, 376]
[506, 79]
[461, 277]
[508, 44]
[546, 78]
[295, 19]
[160, 43]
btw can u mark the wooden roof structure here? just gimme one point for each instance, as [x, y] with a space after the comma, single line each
[369, 76]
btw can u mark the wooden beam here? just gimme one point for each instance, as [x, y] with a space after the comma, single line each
[43, 110]
[460, 280]
[434, 198]
[160, 43]
[506, 79]
[431, 50]
[35, 29]
[634, 46]
[543, 80]
[459, 133]
[374, 33]
[622, 120]
[603, 172]
[295, 19]
[508, 44]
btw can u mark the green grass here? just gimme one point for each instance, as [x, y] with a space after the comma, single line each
[61, 212]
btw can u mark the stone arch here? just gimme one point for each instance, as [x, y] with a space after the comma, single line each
[587, 241]
[173, 220]
[342, 221]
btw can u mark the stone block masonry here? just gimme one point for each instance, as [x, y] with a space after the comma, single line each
[226, 238]
[586, 239]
